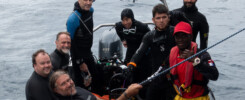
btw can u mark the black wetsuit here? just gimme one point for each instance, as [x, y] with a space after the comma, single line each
[133, 42]
[81, 43]
[81, 94]
[199, 24]
[176, 17]
[37, 88]
[59, 60]
[133, 39]
[160, 43]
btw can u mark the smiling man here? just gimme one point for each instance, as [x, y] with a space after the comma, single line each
[131, 33]
[60, 56]
[64, 88]
[80, 26]
[37, 87]
[191, 77]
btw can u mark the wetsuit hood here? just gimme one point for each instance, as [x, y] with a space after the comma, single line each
[127, 13]
[190, 9]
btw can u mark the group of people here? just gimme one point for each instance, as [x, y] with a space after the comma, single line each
[70, 72]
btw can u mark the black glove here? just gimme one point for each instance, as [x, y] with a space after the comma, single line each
[128, 71]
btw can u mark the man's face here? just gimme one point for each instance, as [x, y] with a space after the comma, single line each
[63, 43]
[183, 40]
[85, 4]
[161, 20]
[127, 22]
[189, 3]
[43, 64]
[65, 86]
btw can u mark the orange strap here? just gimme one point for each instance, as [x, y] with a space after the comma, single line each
[131, 63]
[104, 97]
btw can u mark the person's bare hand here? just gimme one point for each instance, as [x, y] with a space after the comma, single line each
[124, 44]
[133, 89]
[187, 53]
[87, 82]
[84, 67]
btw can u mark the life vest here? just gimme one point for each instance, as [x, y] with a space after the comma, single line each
[188, 82]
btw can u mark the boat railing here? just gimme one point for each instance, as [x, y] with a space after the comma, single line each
[113, 25]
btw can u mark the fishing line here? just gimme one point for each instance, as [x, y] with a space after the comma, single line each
[198, 53]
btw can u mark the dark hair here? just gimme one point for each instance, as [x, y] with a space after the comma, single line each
[60, 33]
[53, 78]
[127, 12]
[34, 55]
[159, 8]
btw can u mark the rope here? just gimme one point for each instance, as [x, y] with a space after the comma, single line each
[83, 23]
[165, 71]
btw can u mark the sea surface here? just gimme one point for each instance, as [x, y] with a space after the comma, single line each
[29, 25]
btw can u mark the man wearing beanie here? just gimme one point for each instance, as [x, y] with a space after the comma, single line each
[131, 33]
[191, 77]
[198, 21]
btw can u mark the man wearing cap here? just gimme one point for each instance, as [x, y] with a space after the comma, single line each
[191, 77]
[198, 21]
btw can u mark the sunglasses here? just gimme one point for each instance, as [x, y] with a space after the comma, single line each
[129, 31]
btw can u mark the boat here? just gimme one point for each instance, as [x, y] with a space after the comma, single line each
[110, 58]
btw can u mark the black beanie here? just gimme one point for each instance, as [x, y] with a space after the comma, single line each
[127, 13]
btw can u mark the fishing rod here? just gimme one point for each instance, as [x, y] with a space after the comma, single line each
[198, 53]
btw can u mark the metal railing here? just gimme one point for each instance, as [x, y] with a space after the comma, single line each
[113, 25]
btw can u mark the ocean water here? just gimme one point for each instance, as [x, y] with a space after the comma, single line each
[28, 25]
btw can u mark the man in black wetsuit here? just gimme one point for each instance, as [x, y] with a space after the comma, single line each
[198, 21]
[37, 87]
[60, 56]
[80, 27]
[160, 41]
[64, 88]
[131, 33]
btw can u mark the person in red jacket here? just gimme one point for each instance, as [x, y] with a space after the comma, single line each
[191, 77]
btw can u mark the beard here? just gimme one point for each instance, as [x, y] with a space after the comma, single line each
[189, 4]
[65, 50]
[71, 90]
